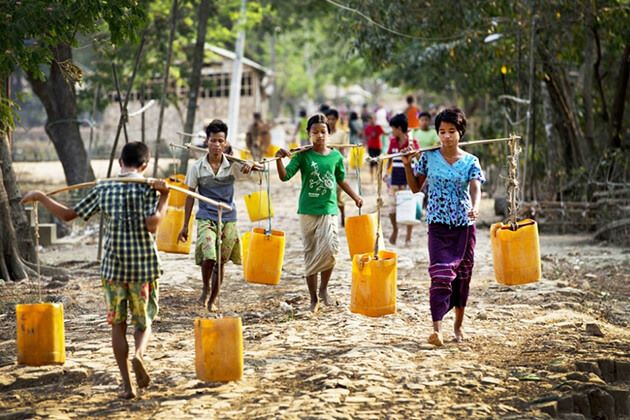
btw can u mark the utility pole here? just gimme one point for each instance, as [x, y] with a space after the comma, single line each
[237, 74]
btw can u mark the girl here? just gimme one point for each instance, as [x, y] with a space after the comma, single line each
[322, 170]
[454, 178]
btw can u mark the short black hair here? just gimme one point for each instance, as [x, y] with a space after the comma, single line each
[318, 118]
[424, 114]
[454, 116]
[410, 99]
[323, 108]
[399, 121]
[257, 116]
[134, 154]
[333, 112]
[216, 126]
[302, 113]
[354, 116]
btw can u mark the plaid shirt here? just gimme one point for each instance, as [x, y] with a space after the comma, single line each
[130, 251]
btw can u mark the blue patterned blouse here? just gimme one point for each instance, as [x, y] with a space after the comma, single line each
[448, 195]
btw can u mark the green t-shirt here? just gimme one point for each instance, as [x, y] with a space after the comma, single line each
[426, 138]
[320, 174]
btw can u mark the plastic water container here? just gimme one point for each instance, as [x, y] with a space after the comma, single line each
[176, 198]
[258, 206]
[516, 253]
[265, 257]
[408, 207]
[169, 229]
[40, 334]
[356, 157]
[373, 291]
[361, 234]
[219, 349]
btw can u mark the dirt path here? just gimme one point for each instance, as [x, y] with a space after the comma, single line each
[520, 359]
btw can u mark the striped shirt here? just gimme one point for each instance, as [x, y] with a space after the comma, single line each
[398, 169]
[130, 253]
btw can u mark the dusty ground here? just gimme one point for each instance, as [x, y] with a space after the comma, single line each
[532, 349]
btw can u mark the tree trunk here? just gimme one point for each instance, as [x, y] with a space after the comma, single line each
[559, 93]
[11, 266]
[58, 96]
[620, 96]
[588, 74]
[203, 13]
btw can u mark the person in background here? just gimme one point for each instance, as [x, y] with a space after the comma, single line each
[355, 125]
[397, 181]
[411, 112]
[337, 137]
[300, 135]
[426, 135]
[253, 137]
[454, 177]
[372, 134]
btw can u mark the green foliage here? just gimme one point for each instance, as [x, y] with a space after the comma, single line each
[222, 31]
[30, 30]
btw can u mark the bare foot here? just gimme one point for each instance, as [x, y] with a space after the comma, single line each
[142, 377]
[459, 335]
[326, 300]
[203, 300]
[436, 339]
[314, 307]
[127, 394]
[408, 243]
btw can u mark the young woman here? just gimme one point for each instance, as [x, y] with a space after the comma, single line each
[322, 170]
[454, 191]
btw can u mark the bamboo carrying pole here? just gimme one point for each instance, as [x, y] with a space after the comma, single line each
[309, 147]
[428, 149]
[231, 158]
[143, 181]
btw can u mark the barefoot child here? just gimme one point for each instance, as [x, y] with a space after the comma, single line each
[130, 266]
[454, 177]
[213, 177]
[322, 170]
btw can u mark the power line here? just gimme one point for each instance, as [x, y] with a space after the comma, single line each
[393, 31]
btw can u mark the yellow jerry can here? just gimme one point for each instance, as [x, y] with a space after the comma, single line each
[271, 151]
[373, 291]
[40, 334]
[361, 234]
[356, 157]
[258, 206]
[245, 248]
[516, 253]
[265, 256]
[219, 349]
[169, 228]
[176, 198]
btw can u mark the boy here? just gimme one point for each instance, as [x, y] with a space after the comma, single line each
[426, 136]
[130, 267]
[213, 176]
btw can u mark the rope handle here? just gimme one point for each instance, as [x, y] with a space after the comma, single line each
[512, 183]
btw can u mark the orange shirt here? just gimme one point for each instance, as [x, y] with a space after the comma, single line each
[412, 117]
